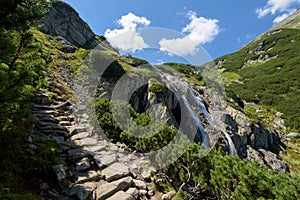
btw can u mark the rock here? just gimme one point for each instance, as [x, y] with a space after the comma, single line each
[143, 192]
[115, 171]
[80, 136]
[77, 153]
[151, 193]
[44, 186]
[66, 118]
[60, 172]
[51, 126]
[83, 164]
[58, 139]
[146, 174]
[82, 191]
[140, 184]
[268, 159]
[86, 142]
[95, 149]
[293, 135]
[32, 146]
[65, 123]
[47, 118]
[76, 129]
[54, 193]
[105, 189]
[169, 195]
[133, 192]
[87, 176]
[121, 196]
[105, 160]
[62, 20]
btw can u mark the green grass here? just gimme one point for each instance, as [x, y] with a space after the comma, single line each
[292, 156]
[274, 83]
[190, 72]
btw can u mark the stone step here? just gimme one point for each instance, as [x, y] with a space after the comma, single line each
[79, 153]
[83, 177]
[70, 118]
[105, 160]
[64, 106]
[46, 112]
[65, 123]
[51, 126]
[86, 142]
[121, 195]
[82, 191]
[115, 171]
[73, 130]
[46, 118]
[105, 190]
[80, 136]
[55, 133]
[37, 107]
[58, 139]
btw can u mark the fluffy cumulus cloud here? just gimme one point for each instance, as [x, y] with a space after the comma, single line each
[277, 6]
[199, 31]
[127, 38]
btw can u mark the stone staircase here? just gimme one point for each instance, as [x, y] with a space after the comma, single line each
[92, 166]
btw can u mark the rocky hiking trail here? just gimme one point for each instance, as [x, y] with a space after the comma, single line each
[92, 167]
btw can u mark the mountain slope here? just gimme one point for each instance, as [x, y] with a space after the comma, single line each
[262, 80]
[81, 151]
[265, 72]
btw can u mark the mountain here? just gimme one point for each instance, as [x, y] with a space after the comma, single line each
[107, 126]
[264, 75]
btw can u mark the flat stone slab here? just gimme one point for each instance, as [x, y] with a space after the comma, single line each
[87, 176]
[133, 192]
[115, 171]
[121, 196]
[95, 149]
[141, 185]
[77, 153]
[80, 136]
[76, 129]
[106, 190]
[82, 191]
[65, 123]
[86, 142]
[105, 160]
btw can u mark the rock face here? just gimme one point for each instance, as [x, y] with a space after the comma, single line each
[254, 141]
[62, 20]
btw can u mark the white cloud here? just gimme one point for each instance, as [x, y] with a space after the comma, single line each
[200, 30]
[274, 6]
[280, 18]
[126, 38]
[179, 46]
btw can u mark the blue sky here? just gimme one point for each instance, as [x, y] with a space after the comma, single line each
[219, 26]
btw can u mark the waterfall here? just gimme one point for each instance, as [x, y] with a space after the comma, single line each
[202, 107]
[230, 145]
[195, 117]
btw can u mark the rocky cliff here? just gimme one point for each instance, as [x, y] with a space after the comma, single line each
[95, 166]
[62, 20]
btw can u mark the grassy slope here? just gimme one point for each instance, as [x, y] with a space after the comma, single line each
[273, 83]
[269, 85]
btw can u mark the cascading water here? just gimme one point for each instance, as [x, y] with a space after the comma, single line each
[195, 117]
[179, 84]
[230, 145]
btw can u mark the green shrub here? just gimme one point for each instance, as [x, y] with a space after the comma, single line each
[228, 177]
